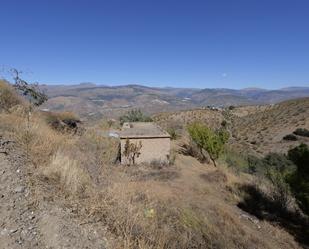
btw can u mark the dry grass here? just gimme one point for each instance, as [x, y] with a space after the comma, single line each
[35, 137]
[8, 97]
[105, 148]
[188, 211]
[39, 141]
[80, 162]
[55, 116]
[139, 218]
[262, 130]
[69, 173]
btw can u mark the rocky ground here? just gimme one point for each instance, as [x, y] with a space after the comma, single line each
[18, 219]
[27, 221]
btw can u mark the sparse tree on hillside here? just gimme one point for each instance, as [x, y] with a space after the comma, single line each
[211, 141]
[134, 115]
[30, 91]
[33, 94]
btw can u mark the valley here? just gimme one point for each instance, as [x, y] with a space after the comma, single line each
[92, 101]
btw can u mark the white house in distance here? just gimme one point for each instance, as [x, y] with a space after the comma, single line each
[155, 142]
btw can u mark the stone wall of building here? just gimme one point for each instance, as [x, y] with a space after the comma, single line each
[153, 149]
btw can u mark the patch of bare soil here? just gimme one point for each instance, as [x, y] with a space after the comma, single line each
[28, 219]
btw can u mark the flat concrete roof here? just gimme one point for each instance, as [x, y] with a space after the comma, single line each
[142, 130]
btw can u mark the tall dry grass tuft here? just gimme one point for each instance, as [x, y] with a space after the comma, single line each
[8, 97]
[39, 141]
[69, 173]
[32, 133]
[104, 149]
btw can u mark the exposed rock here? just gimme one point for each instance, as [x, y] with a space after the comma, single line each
[19, 189]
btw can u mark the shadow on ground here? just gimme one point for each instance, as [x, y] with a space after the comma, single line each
[193, 151]
[260, 205]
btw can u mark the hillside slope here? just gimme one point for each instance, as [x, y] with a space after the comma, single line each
[179, 120]
[263, 130]
[94, 101]
[254, 129]
[66, 190]
[116, 212]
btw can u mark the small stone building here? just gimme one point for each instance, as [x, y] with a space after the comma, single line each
[155, 142]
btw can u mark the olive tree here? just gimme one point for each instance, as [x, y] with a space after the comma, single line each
[212, 141]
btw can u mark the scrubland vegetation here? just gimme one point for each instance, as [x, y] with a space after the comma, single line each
[134, 115]
[189, 204]
[211, 141]
[271, 128]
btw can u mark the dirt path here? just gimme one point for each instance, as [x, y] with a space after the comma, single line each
[26, 222]
[18, 219]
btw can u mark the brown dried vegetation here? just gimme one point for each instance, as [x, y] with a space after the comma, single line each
[179, 206]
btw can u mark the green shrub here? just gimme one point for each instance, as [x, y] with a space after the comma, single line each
[211, 141]
[134, 115]
[231, 107]
[299, 180]
[290, 137]
[191, 149]
[255, 164]
[235, 160]
[288, 174]
[278, 163]
[301, 132]
[224, 123]
[172, 133]
[62, 121]
[277, 169]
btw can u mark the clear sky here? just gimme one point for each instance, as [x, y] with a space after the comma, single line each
[207, 43]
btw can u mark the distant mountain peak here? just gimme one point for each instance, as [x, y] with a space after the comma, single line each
[87, 84]
[253, 89]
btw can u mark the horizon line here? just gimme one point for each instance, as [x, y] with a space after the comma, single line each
[172, 87]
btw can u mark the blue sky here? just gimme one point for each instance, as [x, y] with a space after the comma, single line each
[218, 43]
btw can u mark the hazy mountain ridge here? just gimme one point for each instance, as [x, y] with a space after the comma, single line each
[105, 100]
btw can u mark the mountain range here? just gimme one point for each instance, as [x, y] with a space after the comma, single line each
[94, 101]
